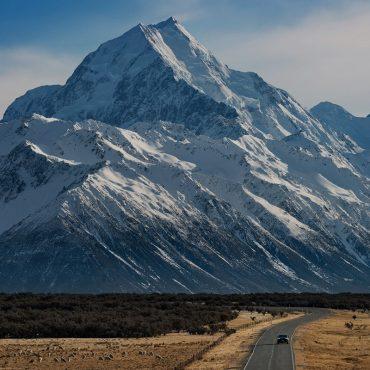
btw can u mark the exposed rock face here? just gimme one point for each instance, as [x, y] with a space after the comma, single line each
[201, 178]
[336, 118]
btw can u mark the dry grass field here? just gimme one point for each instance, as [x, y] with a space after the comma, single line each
[246, 317]
[233, 351]
[325, 344]
[329, 344]
[162, 352]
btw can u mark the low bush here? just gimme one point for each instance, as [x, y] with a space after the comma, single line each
[145, 315]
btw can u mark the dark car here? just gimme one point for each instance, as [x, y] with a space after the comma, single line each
[282, 338]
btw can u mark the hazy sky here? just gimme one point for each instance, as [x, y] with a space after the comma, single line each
[315, 49]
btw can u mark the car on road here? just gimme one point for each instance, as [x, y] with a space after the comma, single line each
[282, 338]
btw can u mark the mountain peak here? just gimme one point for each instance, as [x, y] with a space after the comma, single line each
[329, 108]
[165, 50]
[202, 151]
[157, 72]
[328, 105]
[171, 21]
[338, 119]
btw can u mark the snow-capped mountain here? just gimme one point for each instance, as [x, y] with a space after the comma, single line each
[158, 168]
[336, 118]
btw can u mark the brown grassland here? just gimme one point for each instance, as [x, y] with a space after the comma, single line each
[325, 344]
[233, 351]
[162, 352]
[329, 344]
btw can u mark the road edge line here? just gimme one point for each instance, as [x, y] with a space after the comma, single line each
[291, 343]
[292, 355]
[255, 345]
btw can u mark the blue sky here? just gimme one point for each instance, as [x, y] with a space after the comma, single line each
[315, 49]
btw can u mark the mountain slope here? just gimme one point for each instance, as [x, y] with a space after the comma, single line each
[202, 178]
[134, 77]
[160, 72]
[338, 119]
[135, 209]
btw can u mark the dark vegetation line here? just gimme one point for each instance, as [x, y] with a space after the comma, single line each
[140, 315]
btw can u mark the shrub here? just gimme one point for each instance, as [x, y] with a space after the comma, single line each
[139, 315]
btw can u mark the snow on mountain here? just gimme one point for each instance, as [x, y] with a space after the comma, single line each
[160, 72]
[202, 178]
[336, 118]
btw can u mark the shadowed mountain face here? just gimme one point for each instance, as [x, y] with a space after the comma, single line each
[158, 168]
[336, 118]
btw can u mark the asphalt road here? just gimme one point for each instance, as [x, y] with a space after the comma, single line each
[267, 355]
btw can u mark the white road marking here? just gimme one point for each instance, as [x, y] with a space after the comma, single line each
[254, 347]
[291, 344]
[272, 355]
[273, 348]
[291, 348]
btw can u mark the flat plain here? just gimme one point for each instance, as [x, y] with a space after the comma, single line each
[330, 344]
[161, 352]
[324, 344]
